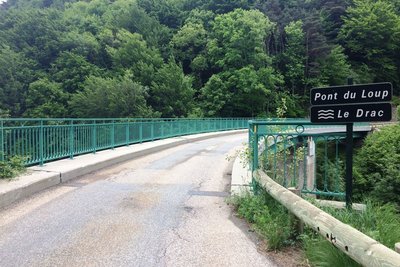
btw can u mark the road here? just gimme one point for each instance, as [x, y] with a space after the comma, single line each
[165, 209]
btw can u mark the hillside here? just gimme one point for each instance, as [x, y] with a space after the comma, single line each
[178, 58]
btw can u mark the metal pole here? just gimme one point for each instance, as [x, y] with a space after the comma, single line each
[152, 131]
[94, 135]
[349, 159]
[127, 133]
[2, 142]
[112, 134]
[141, 132]
[255, 148]
[71, 139]
[41, 143]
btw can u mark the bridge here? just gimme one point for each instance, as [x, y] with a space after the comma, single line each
[146, 192]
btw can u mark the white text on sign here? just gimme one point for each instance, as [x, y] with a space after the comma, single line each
[351, 95]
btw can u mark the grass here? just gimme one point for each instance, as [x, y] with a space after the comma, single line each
[379, 221]
[320, 252]
[12, 167]
[270, 219]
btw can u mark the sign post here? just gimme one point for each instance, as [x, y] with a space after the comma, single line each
[349, 159]
[349, 104]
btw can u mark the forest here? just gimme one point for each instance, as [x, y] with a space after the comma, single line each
[189, 58]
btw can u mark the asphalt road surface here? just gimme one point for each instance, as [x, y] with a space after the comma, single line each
[165, 209]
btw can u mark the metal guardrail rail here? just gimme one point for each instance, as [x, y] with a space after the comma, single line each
[274, 156]
[302, 155]
[42, 140]
[358, 246]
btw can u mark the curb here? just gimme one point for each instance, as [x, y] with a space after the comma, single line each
[60, 171]
[241, 174]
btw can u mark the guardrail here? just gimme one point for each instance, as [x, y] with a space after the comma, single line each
[42, 140]
[352, 242]
[302, 155]
[283, 155]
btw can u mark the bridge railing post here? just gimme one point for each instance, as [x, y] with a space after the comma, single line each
[71, 139]
[94, 136]
[112, 134]
[127, 132]
[2, 151]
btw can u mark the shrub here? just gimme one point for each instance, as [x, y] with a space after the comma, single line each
[377, 166]
[12, 167]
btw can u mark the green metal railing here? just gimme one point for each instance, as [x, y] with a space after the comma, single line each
[302, 155]
[43, 140]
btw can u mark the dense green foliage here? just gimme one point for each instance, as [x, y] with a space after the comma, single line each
[377, 166]
[69, 58]
[12, 167]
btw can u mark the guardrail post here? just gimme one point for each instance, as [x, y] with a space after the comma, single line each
[113, 134]
[296, 224]
[71, 139]
[2, 152]
[41, 153]
[255, 149]
[94, 135]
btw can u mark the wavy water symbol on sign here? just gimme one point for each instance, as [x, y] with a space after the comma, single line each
[326, 114]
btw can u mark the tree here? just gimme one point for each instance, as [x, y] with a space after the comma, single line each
[110, 98]
[238, 40]
[218, 7]
[71, 70]
[215, 95]
[171, 91]
[335, 69]
[81, 43]
[128, 15]
[34, 32]
[293, 57]
[188, 43]
[317, 48]
[371, 34]
[236, 51]
[46, 99]
[167, 12]
[332, 12]
[16, 72]
[239, 93]
[130, 51]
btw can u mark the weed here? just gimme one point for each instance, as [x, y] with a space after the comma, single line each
[320, 252]
[11, 167]
[269, 218]
[380, 222]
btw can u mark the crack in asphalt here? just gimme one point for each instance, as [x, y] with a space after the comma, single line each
[177, 235]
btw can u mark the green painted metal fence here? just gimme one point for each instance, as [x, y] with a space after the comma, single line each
[42, 140]
[302, 155]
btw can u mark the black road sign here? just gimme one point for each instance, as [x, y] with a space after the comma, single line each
[360, 93]
[352, 113]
